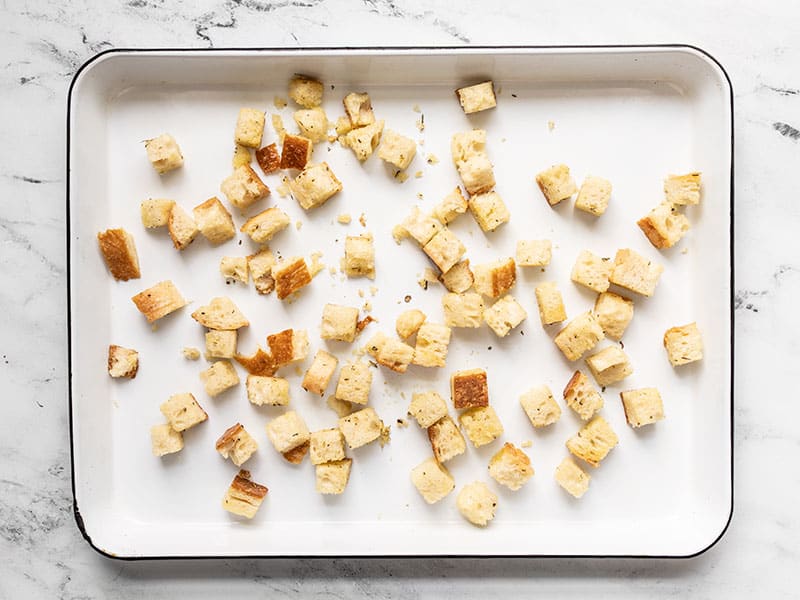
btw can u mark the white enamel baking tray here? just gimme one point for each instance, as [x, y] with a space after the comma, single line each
[631, 114]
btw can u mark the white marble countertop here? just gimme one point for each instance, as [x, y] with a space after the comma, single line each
[44, 42]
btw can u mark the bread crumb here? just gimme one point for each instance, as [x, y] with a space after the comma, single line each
[432, 159]
[363, 220]
[283, 188]
[191, 353]
[373, 290]
[332, 270]
[360, 293]
[421, 122]
[367, 306]
[416, 108]
[386, 435]
[402, 423]
[344, 218]
[551, 125]
[526, 444]
[420, 196]
[418, 175]
[277, 125]
[279, 103]
[316, 265]
[685, 251]
[298, 225]
[401, 176]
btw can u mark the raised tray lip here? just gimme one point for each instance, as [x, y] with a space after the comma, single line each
[582, 48]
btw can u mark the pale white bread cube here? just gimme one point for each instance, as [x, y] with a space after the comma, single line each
[459, 278]
[358, 107]
[288, 431]
[305, 91]
[221, 313]
[363, 140]
[244, 497]
[664, 226]
[296, 152]
[582, 397]
[355, 381]
[395, 355]
[267, 391]
[463, 310]
[319, 374]
[510, 467]
[312, 123]
[219, 377]
[182, 227]
[684, 344]
[408, 322]
[504, 315]
[339, 322]
[359, 256]
[540, 406]
[609, 366]
[477, 503]
[614, 313]
[478, 97]
[288, 346]
[579, 336]
[592, 271]
[290, 275]
[164, 153]
[427, 408]
[556, 184]
[481, 424]
[260, 267]
[221, 344]
[444, 249]
[594, 195]
[572, 478]
[182, 411]
[165, 440]
[327, 445]
[159, 301]
[432, 344]
[682, 189]
[534, 253]
[397, 149]
[550, 302]
[635, 273]
[262, 227]
[489, 210]
[361, 427]
[593, 442]
[432, 480]
[451, 206]
[420, 226]
[446, 440]
[214, 221]
[155, 212]
[122, 362]
[234, 268]
[495, 278]
[236, 444]
[243, 187]
[642, 406]
[332, 477]
[469, 388]
[469, 156]
[249, 128]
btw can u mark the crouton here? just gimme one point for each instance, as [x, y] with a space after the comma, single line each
[155, 212]
[214, 221]
[305, 91]
[164, 153]
[358, 107]
[432, 480]
[244, 497]
[165, 440]
[343, 125]
[609, 365]
[122, 362]
[397, 149]
[556, 184]
[263, 226]
[664, 226]
[463, 310]
[510, 467]
[469, 156]
[420, 226]
[504, 315]
[427, 408]
[159, 301]
[296, 455]
[469, 388]
[579, 336]
[313, 124]
[642, 406]
[234, 268]
[269, 159]
[182, 228]
[408, 323]
[476, 98]
[290, 275]
[582, 397]
[682, 189]
[355, 380]
[635, 273]
[221, 313]
[540, 406]
[550, 302]
[451, 206]
[260, 267]
[287, 432]
[249, 127]
[320, 373]
[684, 344]
[446, 440]
[296, 152]
[259, 363]
[267, 391]
[489, 210]
[220, 376]
[593, 442]
[495, 278]
[327, 445]
[236, 444]
[481, 424]
[339, 323]
[376, 342]
[594, 195]
[182, 411]
[289, 345]
[243, 187]
[614, 313]
[432, 343]
[395, 355]
[221, 344]
[332, 477]
[477, 503]
[241, 156]
[592, 271]
[572, 478]
[363, 140]
[459, 278]
[444, 249]
[359, 256]
[534, 253]
[119, 252]
[361, 427]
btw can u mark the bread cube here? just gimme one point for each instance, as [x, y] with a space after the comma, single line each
[420, 226]
[463, 310]
[397, 149]
[119, 252]
[363, 140]
[182, 228]
[236, 444]
[287, 432]
[579, 336]
[268, 158]
[682, 189]
[320, 372]
[343, 125]
[296, 455]
[313, 124]
[165, 440]
[540, 406]
[432, 343]
[290, 275]
[361, 427]
[495, 278]
[469, 388]
[556, 184]
[355, 380]
[477, 503]
[459, 278]
[482, 425]
[221, 344]
[164, 153]
[593, 442]
[614, 313]
[427, 408]
[476, 98]
[684, 344]
[451, 206]
[249, 128]
[594, 195]
[305, 91]
[444, 249]
[551, 304]
[327, 445]
[214, 221]
[289, 345]
[259, 363]
[446, 439]
[267, 391]
[469, 156]
[592, 271]
[504, 315]
[241, 156]
[582, 397]
[182, 412]
[664, 226]
[572, 478]
[432, 480]
[155, 212]
[244, 497]
[395, 355]
[260, 267]
[510, 467]
[332, 477]
[609, 365]
[409, 322]
[220, 376]
[158, 301]
[358, 107]
[534, 253]
[359, 256]
[635, 273]
[221, 313]
[642, 406]
[339, 323]
[263, 226]
[243, 187]
[296, 151]
[234, 268]
[489, 210]
[122, 362]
